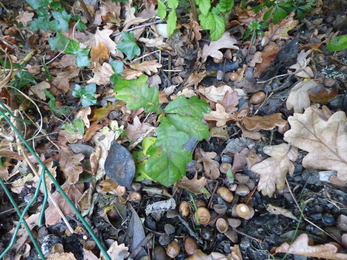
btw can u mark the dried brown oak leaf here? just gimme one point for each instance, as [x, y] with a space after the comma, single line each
[280, 30]
[256, 123]
[298, 96]
[211, 167]
[324, 140]
[301, 66]
[219, 115]
[70, 164]
[194, 185]
[225, 42]
[99, 54]
[147, 67]
[301, 247]
[272, 171]
[137, 129]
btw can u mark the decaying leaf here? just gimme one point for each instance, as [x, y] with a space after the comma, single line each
[301, 66]
[117, 252]
[272, 171]
[256, 123]
[298, 96]
[194, 185]
[61, 81]
[38, 89]
[102, 74]
[268, 55]
[225, 42]
[219, 115]
[230, 101]
[147, 67]
[215, 93]
[324, 140]
[70, 164]
[281, 29]
[240, 160]
[211, 167]
[199, 255]
[99, 54]
[104, 37]
[280, 211]
[301, 247]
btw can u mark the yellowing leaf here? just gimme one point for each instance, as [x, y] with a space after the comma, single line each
[225, 42]
[272, 171]
[298, 96]
[301, 247]
[99, 53]
[324, 140]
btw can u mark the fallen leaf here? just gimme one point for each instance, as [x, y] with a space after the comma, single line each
[324, 140]
[61, 256]
[194, 185]
[272, 171]
[217, 93]
[104, 37]
[280, 211]
[219, 115]
[225, 42]
[147, 67]
[298, 96]
[70, 164]
[74, 192]
[137, 129]
[131, 19]
[301, 247]
[24, 18]
[4, 173]
[255, 135]
[83, 114]
[62, 79]
[156, 43]
[240, 160]
[280, 30]
[102, 74]
[90, 132]
[301, 66]
[38, 89]
[268, 55]
[256, 123]
[257, 58]
[99, 54]
[321, 94]
[211, 167]
[199, 255]
[195, 78]
[131, 74]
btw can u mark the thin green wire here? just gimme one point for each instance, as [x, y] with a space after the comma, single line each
[45, 170]
[21, 220]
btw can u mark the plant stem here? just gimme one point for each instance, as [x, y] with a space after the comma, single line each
[194, 12]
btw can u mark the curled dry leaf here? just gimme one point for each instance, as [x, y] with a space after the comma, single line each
[62, 79]
[102, 74]
[324, 140]
[147, 67]
[230, 101]
[219, 115]
[38, 89]
[272, 171]
[225, 42]
[280, 211]
[298, 96]
[137, 129]
[215, 94]
[211, 167]
[301, 247]
[256, 123]
[194, 185]
[268, 55]
[301, 68]
[280, 30]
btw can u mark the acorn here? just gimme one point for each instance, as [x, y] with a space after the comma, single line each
[224, 167]
[190, 245]
[222, 225]
[173, 249]
[244, 211]
[258, 97]
[242, 190]
[225, 194]
[203, 216]
[200, 203]
[183, 209]
[159, 253]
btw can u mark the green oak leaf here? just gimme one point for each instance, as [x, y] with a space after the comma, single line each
[171, 22]
[58, 42]
[167, 161]
[137, 94]
[192, 106]
[339, 43]
[128, 45]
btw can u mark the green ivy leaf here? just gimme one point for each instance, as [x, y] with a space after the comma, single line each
[51, 104]
[79, 125]
[58, 42]
[168, 158]
[36, 4]
[86, 94]
[128, 45]
[82, 58]
[79, 25]
[192, 106]
[225, 6]
[42, 21]
[172, 3]
[161, 9]
[117, 66]
[72, 48]
[137, 94]
[171, 22]
[339, 43]
[22, 79]
[61, 22]
[115, 78]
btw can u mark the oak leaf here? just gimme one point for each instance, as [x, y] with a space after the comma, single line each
[301, 68]
[272, 171]
[298, 96]
[62, 79]
[219, 115]
[213, 49]
[137, 129]
[230, 101]
[301, 247]
[280, 30]
[268, 55]
[211, 167]
[38, 89]
[324, 140]
[102, 74]
[194, 185]
[70, 164]
[104, 37]
[256, 123]
[147, 66]
[99, 54]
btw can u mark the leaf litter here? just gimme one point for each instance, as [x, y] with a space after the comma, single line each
[139, 139]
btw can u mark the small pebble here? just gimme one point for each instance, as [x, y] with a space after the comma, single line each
[328, 219]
